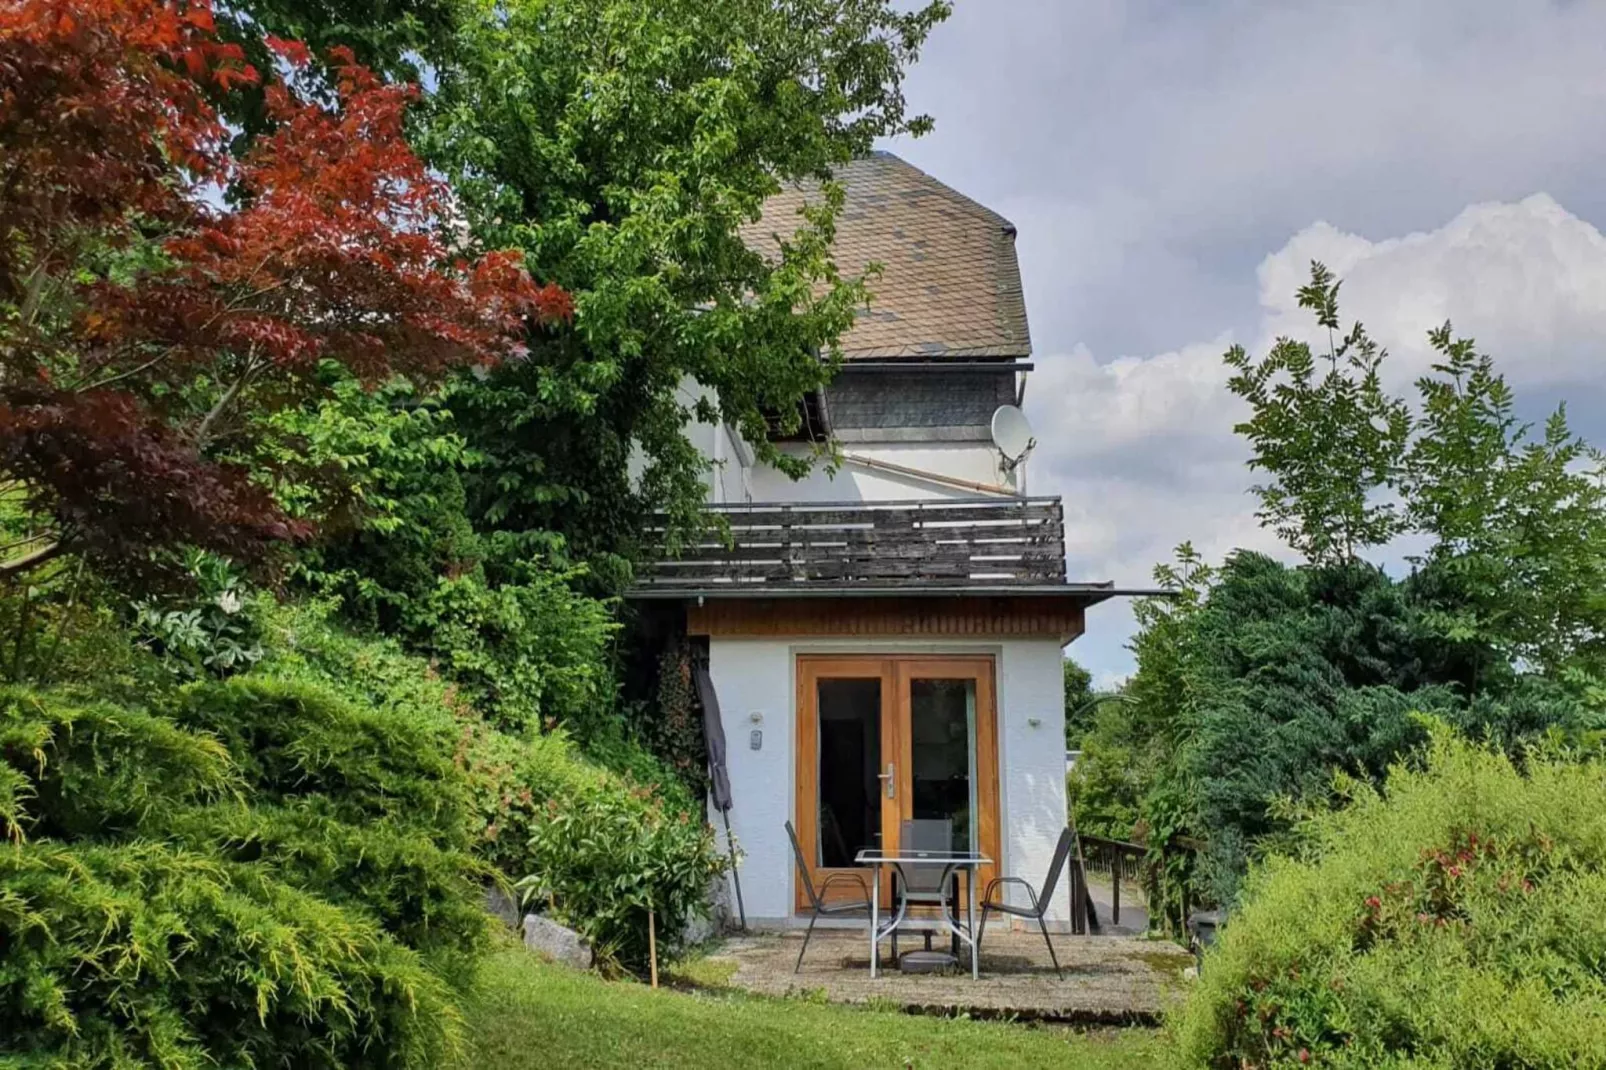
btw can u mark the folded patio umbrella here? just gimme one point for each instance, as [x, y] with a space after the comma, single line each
[719, 778]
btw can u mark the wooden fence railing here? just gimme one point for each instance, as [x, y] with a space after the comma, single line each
[1120, 861]
[1165, 884]
[969, 542]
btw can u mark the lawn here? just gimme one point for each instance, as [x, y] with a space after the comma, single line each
[530, 1014]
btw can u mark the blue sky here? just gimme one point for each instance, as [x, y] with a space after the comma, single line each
[1173, 168]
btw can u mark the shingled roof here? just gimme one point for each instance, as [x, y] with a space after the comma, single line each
[950, 283]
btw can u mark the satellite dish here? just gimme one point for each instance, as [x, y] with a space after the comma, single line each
[1012, 434]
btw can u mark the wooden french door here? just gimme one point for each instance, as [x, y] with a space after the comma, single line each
[884, 740]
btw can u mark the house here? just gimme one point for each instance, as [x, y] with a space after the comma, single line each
[885, 641]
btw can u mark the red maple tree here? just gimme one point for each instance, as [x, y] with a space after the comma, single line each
[157, 291]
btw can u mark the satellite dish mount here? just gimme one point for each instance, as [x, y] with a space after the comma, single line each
[1012, 434]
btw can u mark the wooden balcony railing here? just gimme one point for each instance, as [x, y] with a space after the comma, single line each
[978, 542]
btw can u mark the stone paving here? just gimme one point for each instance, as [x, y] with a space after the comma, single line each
[1108, 979]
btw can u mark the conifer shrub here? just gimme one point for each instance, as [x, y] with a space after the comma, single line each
[365, 806]
[91, 769]
[163, 902]
[293, 741]
[1453, 918]
[142, 954]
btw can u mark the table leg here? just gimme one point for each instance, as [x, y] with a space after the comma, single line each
[875, 918]
[970, 920]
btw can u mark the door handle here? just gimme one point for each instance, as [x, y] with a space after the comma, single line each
[889, 781]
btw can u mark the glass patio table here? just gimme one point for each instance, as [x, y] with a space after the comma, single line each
[965, 861]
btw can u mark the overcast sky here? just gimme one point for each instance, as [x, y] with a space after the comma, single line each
[1173, 167]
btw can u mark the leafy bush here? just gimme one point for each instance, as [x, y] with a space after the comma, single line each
[528, 649]
[593, 849]
[206, 631]
[598, 844]
[1453, 919]
[500, 614]
[1108, 782]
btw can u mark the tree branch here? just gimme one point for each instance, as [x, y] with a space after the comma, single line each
[36, 292]
[233, 306]
[32, 560]
[252, 366]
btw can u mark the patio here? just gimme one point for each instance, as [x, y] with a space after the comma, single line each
[1109, 980]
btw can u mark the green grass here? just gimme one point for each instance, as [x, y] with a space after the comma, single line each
[530, 1014]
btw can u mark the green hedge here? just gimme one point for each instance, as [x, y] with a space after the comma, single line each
[143, 954]
[293, 888]
[1456, 919]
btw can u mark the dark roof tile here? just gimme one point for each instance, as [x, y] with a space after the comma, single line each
[950, 281]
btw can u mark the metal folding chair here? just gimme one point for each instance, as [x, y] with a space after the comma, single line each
[927, 884]
[821, 908]
[1039, 901]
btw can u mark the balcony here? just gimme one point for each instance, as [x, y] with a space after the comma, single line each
[977, 543]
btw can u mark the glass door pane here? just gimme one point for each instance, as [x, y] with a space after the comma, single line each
[942, 762]
[849, 815]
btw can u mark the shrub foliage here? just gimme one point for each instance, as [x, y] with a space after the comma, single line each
[592, 846]
[295, 889]
[1451, 919]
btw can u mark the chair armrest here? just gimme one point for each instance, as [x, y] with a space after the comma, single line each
[996, 881]
[853, 877]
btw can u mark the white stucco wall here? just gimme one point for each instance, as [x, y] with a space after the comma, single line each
[729, 480]
[976, 462]
[758, 676]
[1031, 685]
[735, 476]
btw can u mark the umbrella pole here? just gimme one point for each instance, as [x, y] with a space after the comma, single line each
[735, 877]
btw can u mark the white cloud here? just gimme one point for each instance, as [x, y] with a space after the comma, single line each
[1152, 154]
[1142, 448]
[1527, 280]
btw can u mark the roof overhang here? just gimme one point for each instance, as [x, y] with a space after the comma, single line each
[939, 366]
[1086, 594]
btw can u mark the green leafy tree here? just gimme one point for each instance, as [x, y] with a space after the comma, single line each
[500, 613]
[1079, 700]
[1126, 742]
[1258, 683]
[1332, 440]
[622, 145]
[1517, 517]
